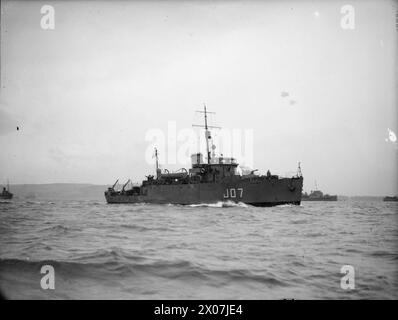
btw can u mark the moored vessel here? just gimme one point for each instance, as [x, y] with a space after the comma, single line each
[6, 194]
[394, 198]
[318, 195]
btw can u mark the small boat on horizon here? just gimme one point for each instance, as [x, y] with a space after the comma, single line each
[317, 195]
[394, 198]
[6, 194]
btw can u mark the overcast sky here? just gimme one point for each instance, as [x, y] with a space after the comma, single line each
[86, 94]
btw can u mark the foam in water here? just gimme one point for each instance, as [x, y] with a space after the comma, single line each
[220, 204]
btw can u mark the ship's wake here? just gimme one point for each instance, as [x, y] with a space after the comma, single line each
[288, 205]
[220, 204]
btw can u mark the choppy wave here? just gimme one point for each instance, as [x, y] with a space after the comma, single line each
[56, 229]
[198, 251]
[220, 204]
[141, 228]
[139, 267]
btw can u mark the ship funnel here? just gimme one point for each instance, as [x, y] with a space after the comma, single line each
[197, 158]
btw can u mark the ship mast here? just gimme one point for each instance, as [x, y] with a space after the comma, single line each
[157, 163]
[207, 131]
[207, 136]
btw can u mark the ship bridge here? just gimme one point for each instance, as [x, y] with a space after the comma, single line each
[216, 168]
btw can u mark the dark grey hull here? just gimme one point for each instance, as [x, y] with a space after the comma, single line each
[390, 199]
[264, 192]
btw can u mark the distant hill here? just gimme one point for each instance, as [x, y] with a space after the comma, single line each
[59, 191]
[359, 198]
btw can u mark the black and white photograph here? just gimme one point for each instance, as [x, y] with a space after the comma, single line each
[199, 150]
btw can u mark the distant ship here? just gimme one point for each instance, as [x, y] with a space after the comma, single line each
[6, 194]
[213, 181]
[395, 198]
[317, 195]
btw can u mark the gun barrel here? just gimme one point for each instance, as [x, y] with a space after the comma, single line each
[113, 187]
[124, 186]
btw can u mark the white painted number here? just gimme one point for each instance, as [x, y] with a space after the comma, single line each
[231, 193]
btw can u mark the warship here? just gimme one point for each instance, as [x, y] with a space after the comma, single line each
[318, 195]
[394, 198]
[6, 194]
[212, 180]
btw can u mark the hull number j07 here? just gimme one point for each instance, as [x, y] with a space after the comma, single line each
[233, 193]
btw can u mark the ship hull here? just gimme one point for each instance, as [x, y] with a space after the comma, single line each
[6, 197]
[265, 192]
[390, 199]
